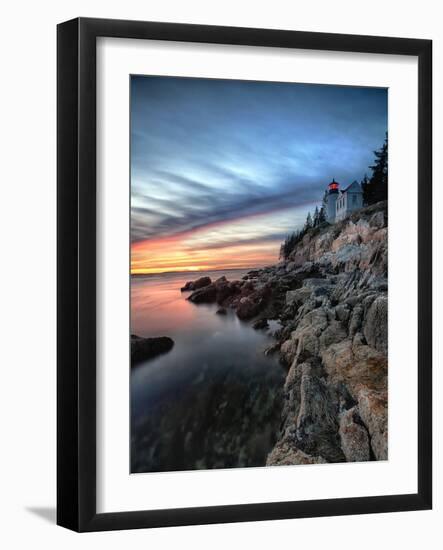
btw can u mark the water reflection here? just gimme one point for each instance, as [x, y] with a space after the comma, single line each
[214, 401]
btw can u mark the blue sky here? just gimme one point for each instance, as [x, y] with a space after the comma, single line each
[223, 162]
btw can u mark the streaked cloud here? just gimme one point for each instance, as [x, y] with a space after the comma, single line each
[216, 165]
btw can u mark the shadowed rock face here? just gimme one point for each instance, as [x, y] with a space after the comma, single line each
[205, 295]
[285, 453]
[330, 297]
[354, 437]
[195, 285]
[376, 325]
[148, 348]
[374, 413]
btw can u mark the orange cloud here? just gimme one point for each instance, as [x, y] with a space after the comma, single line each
[169, 254]
[250, 241]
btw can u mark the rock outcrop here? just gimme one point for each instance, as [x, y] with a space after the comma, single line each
[354, 437]
[205, 295]
[330, 297]
[148, 348]
[195, 285]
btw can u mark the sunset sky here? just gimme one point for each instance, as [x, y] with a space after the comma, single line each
[222, 170]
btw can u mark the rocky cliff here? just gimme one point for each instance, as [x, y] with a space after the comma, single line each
[330, 297]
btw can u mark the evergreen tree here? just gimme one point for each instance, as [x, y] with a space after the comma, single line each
[322, 216]
[315, 220]
[380, 173]
[308, 223]
[288, 245]
[366, 190]
[291, 242]
[377, 188]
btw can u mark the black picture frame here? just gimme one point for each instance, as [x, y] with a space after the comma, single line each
[76, 282]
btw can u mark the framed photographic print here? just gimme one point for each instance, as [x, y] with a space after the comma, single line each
[244, 274]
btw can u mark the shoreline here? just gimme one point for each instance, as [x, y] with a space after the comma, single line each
[330, 296]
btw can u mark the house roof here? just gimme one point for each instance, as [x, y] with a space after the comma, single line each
[355, 187]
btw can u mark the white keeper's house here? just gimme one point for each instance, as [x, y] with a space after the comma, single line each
[340, 203]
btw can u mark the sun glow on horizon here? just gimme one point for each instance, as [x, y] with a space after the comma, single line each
[150, 257]
[252, 241]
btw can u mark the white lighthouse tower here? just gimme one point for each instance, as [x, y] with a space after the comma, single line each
[333, 192]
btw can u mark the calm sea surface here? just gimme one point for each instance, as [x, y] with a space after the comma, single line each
[214, 400]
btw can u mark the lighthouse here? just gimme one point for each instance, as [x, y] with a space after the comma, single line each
[333, 191]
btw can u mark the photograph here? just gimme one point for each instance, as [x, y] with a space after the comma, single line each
[258, 273]
[234, 322]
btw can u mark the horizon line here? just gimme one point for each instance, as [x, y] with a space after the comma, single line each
[144, 274]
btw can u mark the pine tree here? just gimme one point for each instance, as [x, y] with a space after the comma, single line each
[366, 190]
[315, 220]
[377, 188]
[380, 173]
[308, 223]
[290, 243]
[322, 216]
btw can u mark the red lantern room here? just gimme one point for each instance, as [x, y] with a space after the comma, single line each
[333, 186]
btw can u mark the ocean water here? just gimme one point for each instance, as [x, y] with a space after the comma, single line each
[214, 400]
